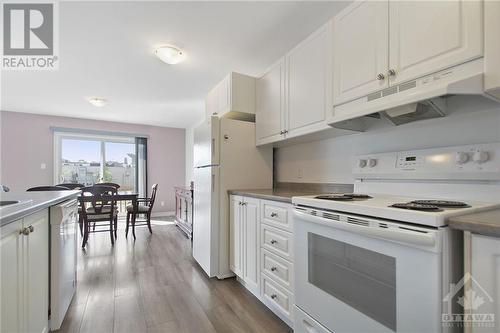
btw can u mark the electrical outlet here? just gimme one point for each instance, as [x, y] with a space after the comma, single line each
[300, 174]
[43, 166]
[162, 203]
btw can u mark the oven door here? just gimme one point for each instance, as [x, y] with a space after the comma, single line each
[356, 274]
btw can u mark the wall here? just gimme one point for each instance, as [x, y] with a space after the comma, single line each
[189, 155]
[27, 142]
[471, 121]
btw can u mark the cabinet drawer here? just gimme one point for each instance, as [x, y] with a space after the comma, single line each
[277, 214]
[279, 269]
[304, 323]
[277, 241]
[277, 296]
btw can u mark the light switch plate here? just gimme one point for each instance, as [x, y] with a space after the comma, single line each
[43, 166]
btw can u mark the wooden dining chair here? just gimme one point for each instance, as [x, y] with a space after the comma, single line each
[72, 186]
[141, 209]
[117, 186]
[47, 188]
[98, 206]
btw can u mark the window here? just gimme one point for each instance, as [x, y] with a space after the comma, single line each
[89, 159]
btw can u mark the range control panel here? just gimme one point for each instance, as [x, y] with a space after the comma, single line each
[471, 162]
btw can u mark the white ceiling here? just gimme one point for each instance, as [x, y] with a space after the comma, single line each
[106, 50]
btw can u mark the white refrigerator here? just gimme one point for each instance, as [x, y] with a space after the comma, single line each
[225, 157]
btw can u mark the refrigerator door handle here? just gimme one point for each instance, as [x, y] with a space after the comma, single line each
[213, 182]
[213, 148]
[206, 166]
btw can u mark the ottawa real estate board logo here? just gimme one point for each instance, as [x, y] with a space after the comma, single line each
[30, 36]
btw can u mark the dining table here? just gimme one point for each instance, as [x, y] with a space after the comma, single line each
[120, 196]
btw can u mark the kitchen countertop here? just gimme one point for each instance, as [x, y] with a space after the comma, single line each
[33, 202]
[285, 194]
[485, 223]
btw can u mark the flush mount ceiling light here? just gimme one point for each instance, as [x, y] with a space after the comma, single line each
[99, 102]
[169, 54]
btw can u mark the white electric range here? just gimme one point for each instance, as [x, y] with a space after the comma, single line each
[382, 259]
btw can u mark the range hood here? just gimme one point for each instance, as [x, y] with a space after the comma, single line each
[423, 98]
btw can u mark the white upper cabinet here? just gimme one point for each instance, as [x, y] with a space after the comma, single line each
[360, 46]
[233, 97]
[270, 100]
[295, 95]
[427, 36]
[309, 83]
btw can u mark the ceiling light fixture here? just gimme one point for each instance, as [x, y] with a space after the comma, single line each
[170, 54]
[99, 102]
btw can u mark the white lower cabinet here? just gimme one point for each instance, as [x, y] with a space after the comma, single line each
[24, 248]
[261, 251]
[485, 282]
[244, 249]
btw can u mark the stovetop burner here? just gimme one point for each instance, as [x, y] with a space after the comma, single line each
[343, 197]
[442, 203]
[416, 206]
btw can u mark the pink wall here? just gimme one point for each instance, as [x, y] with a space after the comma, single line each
[26, 141]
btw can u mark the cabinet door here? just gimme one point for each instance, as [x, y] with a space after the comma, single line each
[360, 50]
[251, 243]
[224, 96]
[486, 284]
[309, 83]
[36, 273]
[270, 95]
[236, 239]
[211, 101]
[427, 36]
[11, 278]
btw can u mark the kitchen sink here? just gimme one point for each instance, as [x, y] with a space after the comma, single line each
[4, 203]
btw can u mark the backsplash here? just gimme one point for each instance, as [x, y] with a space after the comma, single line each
[330, 160]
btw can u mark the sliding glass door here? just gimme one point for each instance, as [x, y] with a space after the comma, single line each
[89, 159]
[120, 164]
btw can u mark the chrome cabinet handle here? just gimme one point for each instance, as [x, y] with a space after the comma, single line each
[26, 231]
[380, 76]
[273, 269]
[391, 72]
[274, 241]
[273, 214]
[274, 296]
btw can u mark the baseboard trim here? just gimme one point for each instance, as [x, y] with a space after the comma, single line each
[162, 214]
[225, 276]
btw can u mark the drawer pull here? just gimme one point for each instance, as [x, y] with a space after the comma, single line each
[274, 241]
[274, 269]
[274, 296]
[273, 214]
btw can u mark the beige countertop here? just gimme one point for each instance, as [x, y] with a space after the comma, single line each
[485, 223]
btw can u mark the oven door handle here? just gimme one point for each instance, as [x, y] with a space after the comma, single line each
[395, 234]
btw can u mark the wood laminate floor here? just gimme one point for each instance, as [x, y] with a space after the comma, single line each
[154, 285]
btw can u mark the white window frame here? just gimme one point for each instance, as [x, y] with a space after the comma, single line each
[59, 136]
